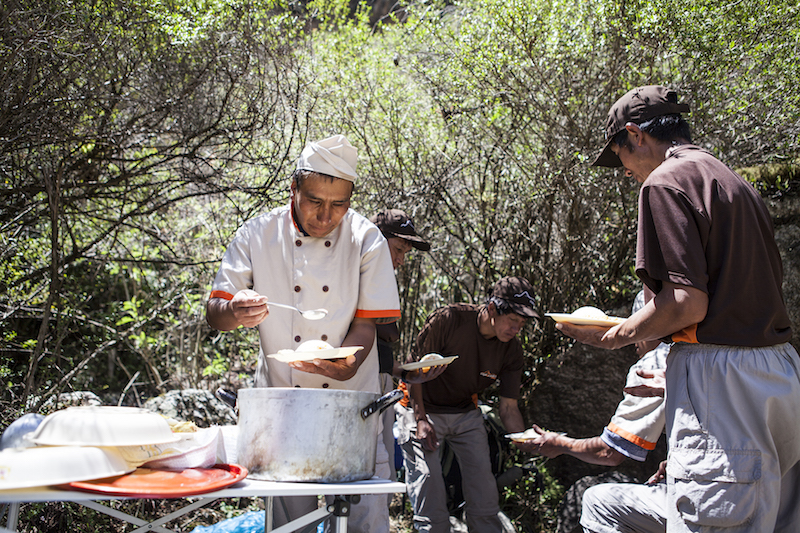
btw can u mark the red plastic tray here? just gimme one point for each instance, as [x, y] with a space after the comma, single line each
[149, 483]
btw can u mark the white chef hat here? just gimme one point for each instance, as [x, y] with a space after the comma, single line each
[333, 156]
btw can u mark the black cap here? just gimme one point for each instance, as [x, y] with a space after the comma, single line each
[637, 105]
[395, 223]
[518, 293]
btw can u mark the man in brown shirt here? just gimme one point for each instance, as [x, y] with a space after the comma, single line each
[707, 255]
[484, 339]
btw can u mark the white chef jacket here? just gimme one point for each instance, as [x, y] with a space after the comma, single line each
[348, 272]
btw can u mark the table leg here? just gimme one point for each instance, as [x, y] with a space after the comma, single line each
[340, 524]
[268, 502]
[13, 516]
[340, 509]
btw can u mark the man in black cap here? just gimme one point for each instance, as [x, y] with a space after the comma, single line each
[402, 237]
[707, 256]
[399, 230]
[484, 339]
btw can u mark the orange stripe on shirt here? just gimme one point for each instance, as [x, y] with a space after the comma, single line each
[387, 313]
[688, 334]
[406, 400]
[630, 437]
[221, 294]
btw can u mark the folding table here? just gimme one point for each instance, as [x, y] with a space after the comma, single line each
[345, 495]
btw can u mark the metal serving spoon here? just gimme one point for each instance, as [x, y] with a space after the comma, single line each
[312, 314]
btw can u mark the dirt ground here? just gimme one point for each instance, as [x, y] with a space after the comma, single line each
[400, 515]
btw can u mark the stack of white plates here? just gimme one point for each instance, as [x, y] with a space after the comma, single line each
[84, 443]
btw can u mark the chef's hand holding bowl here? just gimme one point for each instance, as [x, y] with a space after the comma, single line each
[362, 333]
[340, 369]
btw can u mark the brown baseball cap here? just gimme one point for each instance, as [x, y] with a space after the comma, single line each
[518, 292]
[637, 105]
[395, 223]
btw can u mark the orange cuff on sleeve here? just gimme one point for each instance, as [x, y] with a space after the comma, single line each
[221, 294]
[388, 313]
[630, 437]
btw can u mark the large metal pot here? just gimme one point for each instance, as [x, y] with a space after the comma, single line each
[300, 434]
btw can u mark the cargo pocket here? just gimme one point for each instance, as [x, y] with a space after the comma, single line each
[716, 488]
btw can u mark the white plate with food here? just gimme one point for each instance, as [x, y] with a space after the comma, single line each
[427, 362]
[310, 350]
[587, 316]
[527, 435]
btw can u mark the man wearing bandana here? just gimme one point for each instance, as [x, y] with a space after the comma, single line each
[484, 337]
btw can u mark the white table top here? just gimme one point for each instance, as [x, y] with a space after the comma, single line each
[243, 489]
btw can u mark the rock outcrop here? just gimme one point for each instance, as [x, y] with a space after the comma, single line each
[193, 405]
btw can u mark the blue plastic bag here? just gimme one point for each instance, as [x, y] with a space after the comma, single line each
[251, 522]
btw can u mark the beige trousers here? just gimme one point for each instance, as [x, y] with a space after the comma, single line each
[734, 439]
[466, 433]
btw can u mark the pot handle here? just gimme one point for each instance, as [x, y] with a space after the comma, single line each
[382, 403]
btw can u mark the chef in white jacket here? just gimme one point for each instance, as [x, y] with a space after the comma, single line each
[313, 253]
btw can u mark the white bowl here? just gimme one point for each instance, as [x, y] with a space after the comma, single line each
[588, 311]
[312, 345]
[56, 465]
[103, 426]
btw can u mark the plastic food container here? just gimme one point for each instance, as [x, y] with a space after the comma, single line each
[203, 449]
